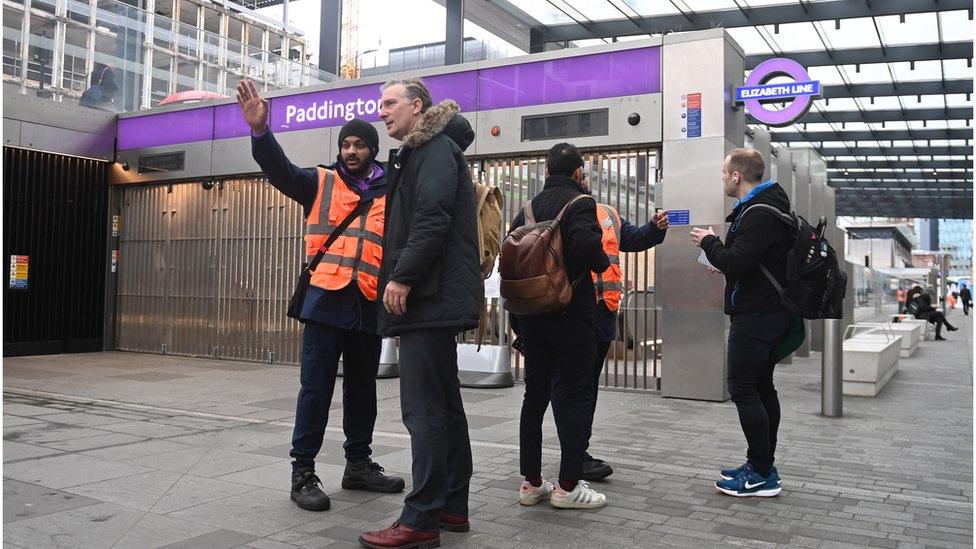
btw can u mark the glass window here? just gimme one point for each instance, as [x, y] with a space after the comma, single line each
[79, 10]
[13, 20]
[163, 32]
[74, 71]
[211, 20]
[186, 76]
[162, 75]
[40, 54]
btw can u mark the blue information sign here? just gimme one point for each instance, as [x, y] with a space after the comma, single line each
[679, 217]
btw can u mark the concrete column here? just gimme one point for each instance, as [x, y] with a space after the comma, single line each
[694, 325]
[454, 33]
[330, 35]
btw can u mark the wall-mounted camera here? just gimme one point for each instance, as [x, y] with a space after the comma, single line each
[634, 119]
[211, 183]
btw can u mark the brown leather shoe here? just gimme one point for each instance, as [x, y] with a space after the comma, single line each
[400, 536]
[454, 523]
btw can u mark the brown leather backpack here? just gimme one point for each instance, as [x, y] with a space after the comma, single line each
[533, 268]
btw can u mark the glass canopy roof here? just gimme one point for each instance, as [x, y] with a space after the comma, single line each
[938, 83]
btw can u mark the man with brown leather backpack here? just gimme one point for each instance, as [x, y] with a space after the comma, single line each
[554, 315]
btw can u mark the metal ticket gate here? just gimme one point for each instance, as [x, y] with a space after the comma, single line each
[626, 180]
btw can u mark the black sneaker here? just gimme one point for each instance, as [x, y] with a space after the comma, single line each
[367, 475]
[307, 493]
[595, 469]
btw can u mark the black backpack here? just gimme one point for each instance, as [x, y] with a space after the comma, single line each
[815, 283]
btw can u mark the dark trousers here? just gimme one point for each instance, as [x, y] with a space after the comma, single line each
[939, 319]
[966, 306]
[322, 346]
[602, 347]
[753, 338]
[559, 356]
[430, 401]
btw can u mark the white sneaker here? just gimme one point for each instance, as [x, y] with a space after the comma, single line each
[530, 495]
[582, 497]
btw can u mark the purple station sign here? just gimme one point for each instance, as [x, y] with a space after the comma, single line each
[757, 94]
[585, 77]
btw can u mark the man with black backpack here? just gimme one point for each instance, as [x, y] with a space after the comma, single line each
[560, 343]
[759, 319]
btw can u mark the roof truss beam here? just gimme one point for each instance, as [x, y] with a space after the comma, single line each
[899, 164]
[835, 174]
[876, 54]
[887, 115]
[890, 89]
[869, 135]
[747, 17]
[895, 151]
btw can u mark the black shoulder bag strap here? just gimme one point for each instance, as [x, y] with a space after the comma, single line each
[792, 223]
[336, 233]
[297, 300]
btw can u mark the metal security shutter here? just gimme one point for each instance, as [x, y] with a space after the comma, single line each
[55, 213]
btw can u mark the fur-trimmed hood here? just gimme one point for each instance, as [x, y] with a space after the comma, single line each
[445, 118]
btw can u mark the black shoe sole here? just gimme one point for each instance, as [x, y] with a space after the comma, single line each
[451, 527]
[596, 478]
[415, 545]
[354, 485]
[328, 504]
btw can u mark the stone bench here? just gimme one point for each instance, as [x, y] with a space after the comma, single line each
[928, 334]
[870, 361]
[911, 333]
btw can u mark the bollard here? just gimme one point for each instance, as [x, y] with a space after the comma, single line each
[832, 369]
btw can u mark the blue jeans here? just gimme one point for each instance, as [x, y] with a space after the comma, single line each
[753, 338]
[322, 345]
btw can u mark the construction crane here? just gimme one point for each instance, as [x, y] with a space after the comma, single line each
[349, 41]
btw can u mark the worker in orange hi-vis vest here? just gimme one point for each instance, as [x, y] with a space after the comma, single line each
[618, 236]
[339, 309]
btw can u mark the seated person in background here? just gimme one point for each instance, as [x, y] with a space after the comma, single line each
[920, 305]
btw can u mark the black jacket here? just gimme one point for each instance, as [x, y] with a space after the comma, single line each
[347, 308]
[751, 239]
[965, 295]
[430, 242]
[582, 239]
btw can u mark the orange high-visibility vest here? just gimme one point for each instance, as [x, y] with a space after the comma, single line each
[609, 283]
[358, 252]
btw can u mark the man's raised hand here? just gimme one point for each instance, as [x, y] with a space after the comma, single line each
[253, 107]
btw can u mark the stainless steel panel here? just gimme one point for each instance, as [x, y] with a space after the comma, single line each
[11, 132]
[621, 133]
[60, 140]
[785, 173]
[762, 143]
[58, 114]
[692, 321]
[692, 67]
[197, 163]
[209, 273]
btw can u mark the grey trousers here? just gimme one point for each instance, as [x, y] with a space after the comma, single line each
[430, 401]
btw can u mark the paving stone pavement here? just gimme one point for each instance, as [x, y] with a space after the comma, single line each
[132, 450]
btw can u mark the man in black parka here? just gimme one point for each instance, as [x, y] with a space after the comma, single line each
[432, 289]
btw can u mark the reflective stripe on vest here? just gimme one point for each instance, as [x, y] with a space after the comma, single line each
[609, 283]
[358, 251]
